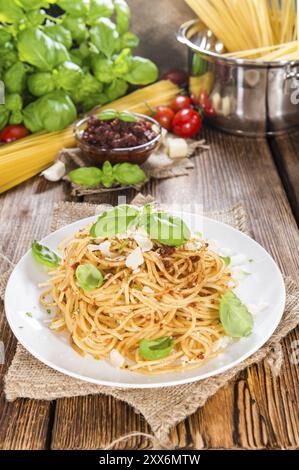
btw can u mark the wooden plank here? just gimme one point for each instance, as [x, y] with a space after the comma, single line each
[252, 412]
[285, 151]
[93, 422]
[24, 214]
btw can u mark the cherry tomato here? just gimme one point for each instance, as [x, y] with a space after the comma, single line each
[164, 116]
[209, 111]
[181, 102]
[194, 99]
[204, 100]
[12, 133]
[186, 123]
[179, 77]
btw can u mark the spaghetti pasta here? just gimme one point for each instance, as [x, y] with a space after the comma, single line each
[248, 28]
[175, 293]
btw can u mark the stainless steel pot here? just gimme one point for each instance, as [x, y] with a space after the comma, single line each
[247, 97]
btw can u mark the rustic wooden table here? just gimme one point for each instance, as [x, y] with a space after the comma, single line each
[256, 411]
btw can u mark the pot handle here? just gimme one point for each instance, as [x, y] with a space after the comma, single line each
[181, 35]
[291, 73]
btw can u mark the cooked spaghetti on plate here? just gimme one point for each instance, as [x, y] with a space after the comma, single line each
[139, 289]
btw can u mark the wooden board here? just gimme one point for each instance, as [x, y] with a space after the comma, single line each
[257, 410]
[285, 152]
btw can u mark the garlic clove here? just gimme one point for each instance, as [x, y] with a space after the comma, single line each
[55, 172]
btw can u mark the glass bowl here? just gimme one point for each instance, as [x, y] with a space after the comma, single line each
[138, 154]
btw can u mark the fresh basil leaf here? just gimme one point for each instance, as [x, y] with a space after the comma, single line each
[10, 12]
[116, 89]
[51, 112]
[99, 9]
[103, 69]
[129, 40]
[156, 348]
[236, 320]
[78, 8]
[59, 33]
[226, 259]
[87, 176]
[44, 255]
[104, 36]
[128, 174]
[110, 114]
[142, 71]
[127, 117]
[114, 222]
[168, 230]
[107, 115]
[15, 78]
[123, 16]
[77, 27]
[89, 277]
[38, 49]
[40, 83]
[89, 86]
[67, 76]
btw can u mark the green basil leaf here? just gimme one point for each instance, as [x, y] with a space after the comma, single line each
[129, 40]
[128, 174]
[115, 221]
[226, 259]
[40, 83]
[107, 115]
[168, 230]
[98, 9]
[107, 169]
[104, 36]
[123, 15]
[142, 71]
[116, 89]
[38, 49]
[10, 12]
[236, 320]
[79, 8]
[15, 78]
[156, 348]
[89, 277]
[44, 255]
[127, 117]
[59, 33]
[67, 76]
[108, 177]
[88, 177]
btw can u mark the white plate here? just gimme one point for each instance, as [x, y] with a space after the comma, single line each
[265, 285]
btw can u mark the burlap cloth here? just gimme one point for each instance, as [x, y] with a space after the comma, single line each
[162, 408]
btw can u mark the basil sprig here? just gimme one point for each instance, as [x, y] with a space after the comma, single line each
[153, 349]
[166, 229]
[236, 319]
[44, 255]
[110, 114]
[89, 277]
[125, 174]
